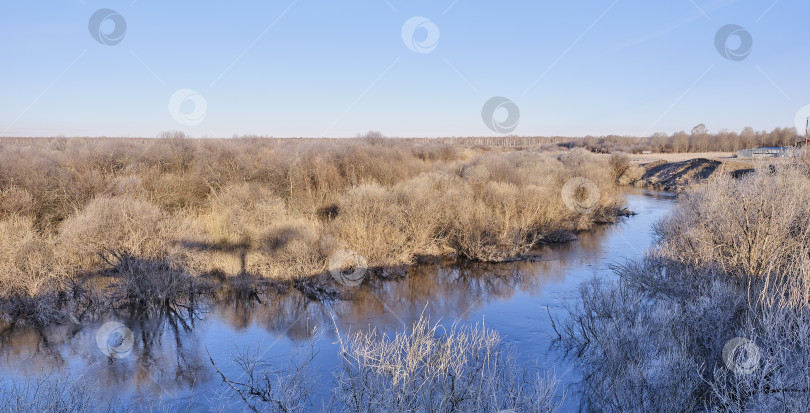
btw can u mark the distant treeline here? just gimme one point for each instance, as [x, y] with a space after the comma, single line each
[698, 140]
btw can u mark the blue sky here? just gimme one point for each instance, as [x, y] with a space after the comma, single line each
[329, 68]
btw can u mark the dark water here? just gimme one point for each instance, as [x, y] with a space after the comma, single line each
[169, 361]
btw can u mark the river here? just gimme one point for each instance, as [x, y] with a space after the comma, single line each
[169, 361]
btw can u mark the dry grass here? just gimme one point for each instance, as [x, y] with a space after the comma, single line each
[27, 264]
[433, 368]
[48, 394]
[274, 208]
[121, 224]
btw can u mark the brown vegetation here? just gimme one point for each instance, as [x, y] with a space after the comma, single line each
[142, 210]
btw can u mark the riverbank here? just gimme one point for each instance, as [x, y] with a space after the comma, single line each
[676, 172]
[715, 315]
[162, 219]
[169, 354]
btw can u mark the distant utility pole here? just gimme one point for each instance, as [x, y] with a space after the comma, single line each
[807, 133]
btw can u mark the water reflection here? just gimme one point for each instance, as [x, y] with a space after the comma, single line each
[448, 290]
[171, 349]
[166, 356]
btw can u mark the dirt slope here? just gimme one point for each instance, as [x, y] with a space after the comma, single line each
[670, 176]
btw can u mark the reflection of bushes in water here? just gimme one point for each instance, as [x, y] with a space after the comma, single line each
[460, 369]
[732, 261]
[447, 286]
[263, 387]
[280, 308]
[463, 369]
[63, 394]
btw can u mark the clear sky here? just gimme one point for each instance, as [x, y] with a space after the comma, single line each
[338, 68]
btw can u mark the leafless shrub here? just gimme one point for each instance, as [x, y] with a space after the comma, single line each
[149, 284]
[780, 377]
[732, 261]
[246, 228]
[16, 201]
[498, 224]
[435, 152]
[122, 224]
[31, 274]
[27, 261]
[642, 347]
[390, 226]
[804, 160]
[48, 394]
[620, 162]
[750, 226]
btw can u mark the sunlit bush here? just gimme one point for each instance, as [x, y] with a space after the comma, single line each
[279, 208]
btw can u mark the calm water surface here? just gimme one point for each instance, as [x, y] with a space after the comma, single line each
[170, 357]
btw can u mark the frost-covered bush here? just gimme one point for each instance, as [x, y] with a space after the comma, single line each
[716, 316]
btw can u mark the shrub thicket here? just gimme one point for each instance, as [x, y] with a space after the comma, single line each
[715, 317]
[273, 208]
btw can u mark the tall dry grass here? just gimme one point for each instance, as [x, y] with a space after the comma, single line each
[49, 394]
[434, 368]
[274, 208]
